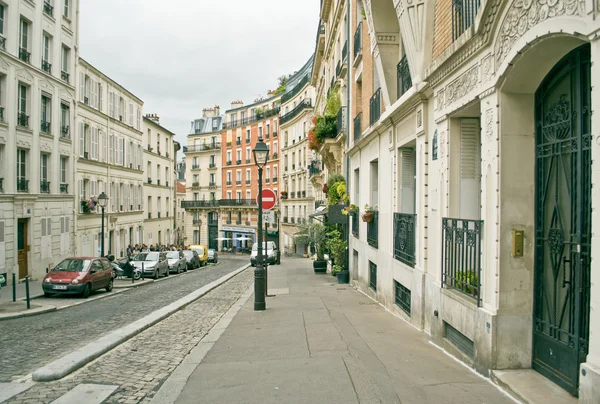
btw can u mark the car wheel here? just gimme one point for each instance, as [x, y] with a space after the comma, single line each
[86, 291]
[46, 294]
[178, 270]
[137, 275]
[109, 288]
[156, 273]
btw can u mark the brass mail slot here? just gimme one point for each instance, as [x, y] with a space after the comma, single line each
[517, 243]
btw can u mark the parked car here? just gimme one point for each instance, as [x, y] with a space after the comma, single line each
[152, 263]
[213, 256]
[270, 253]
[202, 253]
[176, 260]
[191, 258]
[79, 276]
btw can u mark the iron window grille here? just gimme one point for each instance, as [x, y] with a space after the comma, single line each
[404, 238]
[375, 107]
[402, 295]
[373, 231]
[464, 13]
[404, 79]
[373, 276]
[357, 127]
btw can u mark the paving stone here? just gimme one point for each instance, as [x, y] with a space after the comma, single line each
[159, 350]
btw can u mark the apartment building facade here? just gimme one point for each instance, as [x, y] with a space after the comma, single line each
[203, 178]
[38, 60]
[480, 170]
[160, 152]
[298, 201]
[109, 159]
[244, 125]
[180, 224]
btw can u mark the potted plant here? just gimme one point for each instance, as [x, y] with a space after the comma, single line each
[284, 195]
[350, 209]
[369, 213]
[314, 236]
[337, 248]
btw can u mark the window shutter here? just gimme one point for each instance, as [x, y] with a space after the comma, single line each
[469, 149]
[92, 92]
[100, 96]
[95, 143]
[62, 225]
[111, 105]
[122, 151]
[111, 140]
[131, 114]
[43, 227]
[81, 87]
[407, 167]
[81, 140]
[67, 229]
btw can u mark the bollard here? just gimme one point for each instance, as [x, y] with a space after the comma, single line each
[27, 292]
[47, 269]
[143, 271]
[14, 279]
[133, 275]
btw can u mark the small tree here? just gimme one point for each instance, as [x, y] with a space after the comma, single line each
[314, 235]
[337, 247]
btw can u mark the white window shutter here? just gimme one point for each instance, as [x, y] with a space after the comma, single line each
[67, 229]
[99, 96]
[43, 227]
[81, 87]
[81, 140]
[62, 225]
[111, 104]
[469, 149]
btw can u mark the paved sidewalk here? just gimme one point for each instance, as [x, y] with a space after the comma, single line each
[320, 342]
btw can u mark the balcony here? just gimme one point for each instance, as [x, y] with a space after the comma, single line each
[86, 155]
[304, 104]
[357, 126]
[195, 184]
[375, 107]
[358, 42]
[45, 127]
[294, 91]
[238, 183]
[64, 132]
[195, 167]
[47, 67]
[267, 135]
[373, 231]
[229, 163]
[212, 166]
[247, 182]
[404, 79]
[2, 43]
[247, 222]
[464, 14]
[228, 144]
[48, 9]
[292, 195]
[22, 185]
[461, 256]
[149, 215]
[238, 162]
[199, 204]
[259, 116]
[64, 188]
[237, 202]
[248, 161]
[24, 55]
[149, 180]
[228, 183]
[158, 182]
[274, 134]
[247, 140]
[275, 180]
[285, 219]
[64, 76]
[23, 120]
[267, 180]
[315, 168]
[341, 121]
[86, 100]
[404, 238]
[238, 222]
[212, 184]
[274, 156]
[2, 114]
[292, 220]
[304, 194]
[228, 221]
[44, 187]
[204, 147]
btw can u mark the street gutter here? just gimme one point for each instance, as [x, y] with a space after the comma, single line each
[77, 359]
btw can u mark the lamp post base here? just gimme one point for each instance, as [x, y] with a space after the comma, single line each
[259, 288]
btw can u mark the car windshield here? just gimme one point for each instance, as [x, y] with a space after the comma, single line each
[188, 254]
[150, 256]
[199, 251]
[72, 265]
[173, 255]
[265, 246]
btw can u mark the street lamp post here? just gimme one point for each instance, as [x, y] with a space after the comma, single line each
[102, 201]
[261, 156]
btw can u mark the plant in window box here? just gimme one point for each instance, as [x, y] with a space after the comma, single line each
[89, 205]
[350, 209]
[369, 213]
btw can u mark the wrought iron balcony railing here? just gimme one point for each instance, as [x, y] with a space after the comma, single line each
[248, 161]
[228, 183]
[267, 180]
[23, 120]
[315, 167]
[229, 163]
[195, 184]
[404, 79]
[404, 238]
[285, 219]
[1, 184]
[259, 116]
[204, 147]
[24, 55]
[212, 165]
[304, 104]
[47, 67]
[247, 182]
[461, 256]
[274, 134]
[22, 185]
[2, 114]
[357, 126]
[64, 76]
[238, 183]
[45, 127]
[199, 204]
[44, 187]
[464, 13]
[64, 132]
[341, 121]
[2, 43]
[275, 180]
[373, 231]
[238, 142]
[375, 107]
[195, 167]
[297, 88]
[238, 162]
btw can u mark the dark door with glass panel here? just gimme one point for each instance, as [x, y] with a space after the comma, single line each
[563, 220]
[22, 248]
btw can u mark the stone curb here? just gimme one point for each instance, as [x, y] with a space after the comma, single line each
[28, 313]
[174, 385]
[69, 363]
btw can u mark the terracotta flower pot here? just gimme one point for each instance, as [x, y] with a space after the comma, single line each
[367, 217]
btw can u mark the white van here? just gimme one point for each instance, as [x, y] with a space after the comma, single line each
[270, 253]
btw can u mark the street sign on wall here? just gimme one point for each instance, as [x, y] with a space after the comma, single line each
[269, 199]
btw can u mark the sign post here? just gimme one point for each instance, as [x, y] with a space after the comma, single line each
[269, 200]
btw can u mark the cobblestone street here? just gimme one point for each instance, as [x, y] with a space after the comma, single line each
[141, 365]
[31, 342]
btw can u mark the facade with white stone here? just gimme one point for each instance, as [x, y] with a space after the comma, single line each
[38, 57]
[478, 152]
[110, 159]
[160, 185]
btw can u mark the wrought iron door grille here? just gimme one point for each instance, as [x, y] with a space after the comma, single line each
[404, 238]
[355, 225]
[372, 276]
[404, 79]
[375, 107]
[458, 339]
[461, 256]
[402, 297]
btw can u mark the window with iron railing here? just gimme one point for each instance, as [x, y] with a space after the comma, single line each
[404, 238]
[375, 107]
[404, 79]
[357, 126]
[464, 13]
[372, 276]
[373, 231]
[358, 40]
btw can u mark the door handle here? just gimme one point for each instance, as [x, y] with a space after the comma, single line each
[565, 262]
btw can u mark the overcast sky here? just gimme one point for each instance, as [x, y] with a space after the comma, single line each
[194, 54]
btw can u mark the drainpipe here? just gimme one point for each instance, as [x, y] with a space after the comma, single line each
[348, 98]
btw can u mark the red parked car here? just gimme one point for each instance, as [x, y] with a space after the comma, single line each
[79, 276]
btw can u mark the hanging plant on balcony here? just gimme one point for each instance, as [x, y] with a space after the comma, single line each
[350, 210]
[323, 127]
[336, 189]
[369, 213]
[89, 205]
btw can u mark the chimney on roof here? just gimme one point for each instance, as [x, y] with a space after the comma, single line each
[208, 112]
[237, 104]
[153, 117]
[217, 110]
